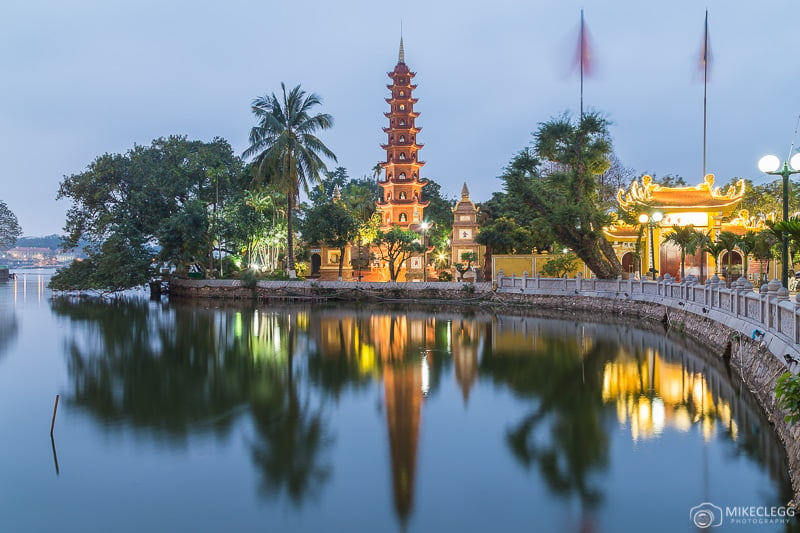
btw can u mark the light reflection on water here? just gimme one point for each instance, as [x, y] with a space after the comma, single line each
[314, 418]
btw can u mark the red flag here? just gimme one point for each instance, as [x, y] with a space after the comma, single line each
[584, 58]
[704, 64]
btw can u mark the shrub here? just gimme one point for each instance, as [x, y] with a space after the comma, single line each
[787, 392]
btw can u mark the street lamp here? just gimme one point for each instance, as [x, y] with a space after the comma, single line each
[425, 226]
[769, 164]
[652, 220]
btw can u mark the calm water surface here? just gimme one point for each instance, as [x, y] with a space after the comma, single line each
[184, 417]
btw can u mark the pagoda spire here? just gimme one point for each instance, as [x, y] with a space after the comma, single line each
[401, 57]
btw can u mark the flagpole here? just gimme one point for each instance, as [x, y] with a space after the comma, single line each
[705, 92]
[582, 59]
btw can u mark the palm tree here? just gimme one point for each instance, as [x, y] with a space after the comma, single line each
[714, 249]
[747, 244]
[765, 240]
[685, 238]
[286, 148]
[729, 240]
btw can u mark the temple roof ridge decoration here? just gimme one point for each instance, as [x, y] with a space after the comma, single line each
[704, 196]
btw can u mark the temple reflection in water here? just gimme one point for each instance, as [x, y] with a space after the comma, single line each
[653, 384]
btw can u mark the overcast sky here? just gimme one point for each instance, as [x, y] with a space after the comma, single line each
[84, 78]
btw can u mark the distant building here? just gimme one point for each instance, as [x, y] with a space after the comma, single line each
[465, 233]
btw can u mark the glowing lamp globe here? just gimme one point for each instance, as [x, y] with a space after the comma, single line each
[657, 216]
[769, 163]
[644, 219]
[794, 162]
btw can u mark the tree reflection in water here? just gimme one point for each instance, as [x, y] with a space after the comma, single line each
[565, 436]
[179, 370]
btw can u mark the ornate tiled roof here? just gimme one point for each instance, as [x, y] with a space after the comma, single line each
[703, 197]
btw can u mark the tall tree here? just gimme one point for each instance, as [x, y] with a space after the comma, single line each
[286, 149]
[10, 230]
[563, 190]
[729, 241]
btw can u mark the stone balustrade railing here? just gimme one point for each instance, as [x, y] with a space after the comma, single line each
[767, 315]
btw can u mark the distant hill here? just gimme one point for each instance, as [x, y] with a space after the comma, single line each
[48, 241]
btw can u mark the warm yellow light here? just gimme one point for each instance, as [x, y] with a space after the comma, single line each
[769, 163]
[657, 216]
[644, 219]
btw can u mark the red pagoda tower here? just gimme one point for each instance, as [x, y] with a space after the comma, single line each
[402, 203]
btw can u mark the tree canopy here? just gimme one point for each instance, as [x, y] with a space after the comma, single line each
[555, 187]
[10, 230]
[153, 202]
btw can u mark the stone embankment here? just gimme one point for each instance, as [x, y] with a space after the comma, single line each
[331, 290]
[757, 333]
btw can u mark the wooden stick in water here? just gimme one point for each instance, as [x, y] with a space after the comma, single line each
[53, 423]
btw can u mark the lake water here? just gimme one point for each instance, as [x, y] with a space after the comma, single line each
[313, 418]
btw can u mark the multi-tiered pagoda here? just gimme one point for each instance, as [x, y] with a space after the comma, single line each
[402, 203]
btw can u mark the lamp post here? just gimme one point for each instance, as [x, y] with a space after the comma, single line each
[651, 220]
[425, 226]
[770, 164]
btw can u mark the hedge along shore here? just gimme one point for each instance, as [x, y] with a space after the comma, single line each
[757, 334]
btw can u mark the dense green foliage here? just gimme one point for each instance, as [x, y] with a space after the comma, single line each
[395, 246]
[10, 230]
[560, 265]
[333, 224]
[286, 150]
[787, 392]
[156, 202]
[439, 214]
[558, 185]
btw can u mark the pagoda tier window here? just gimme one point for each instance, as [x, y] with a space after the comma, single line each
[402, 195]
[416, 196]
[402, 176]
[402, 93]
[402, 138]
[402, 122]
[402, 155]
[403, 217]
[402, 107]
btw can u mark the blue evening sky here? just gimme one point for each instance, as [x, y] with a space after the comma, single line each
[92, 76]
